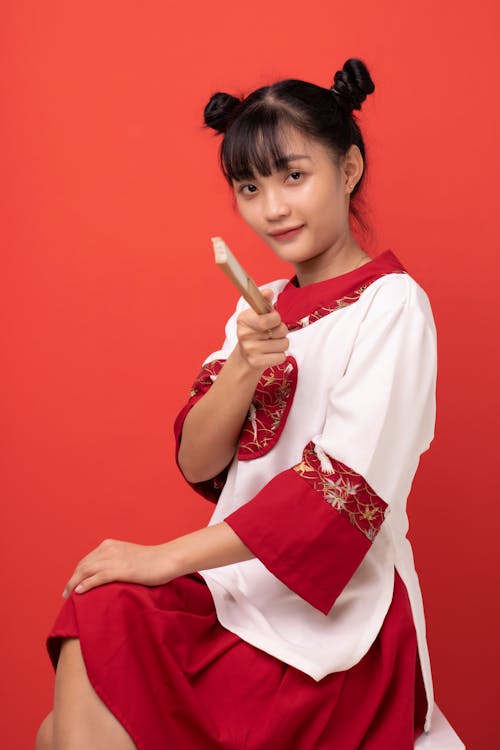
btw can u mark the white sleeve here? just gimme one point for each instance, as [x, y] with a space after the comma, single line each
[230, 339]
[381, 413]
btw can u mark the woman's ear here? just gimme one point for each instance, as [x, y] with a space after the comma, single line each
[352, 168]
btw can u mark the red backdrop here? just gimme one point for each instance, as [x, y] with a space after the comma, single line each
[110, 194]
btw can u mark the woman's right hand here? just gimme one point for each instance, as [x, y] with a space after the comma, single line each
[262, 339]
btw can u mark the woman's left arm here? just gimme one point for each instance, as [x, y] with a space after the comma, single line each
[114, 560]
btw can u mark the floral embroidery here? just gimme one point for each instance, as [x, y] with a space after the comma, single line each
[322, 311]
[206, 377]
[348, 299]
[210, 488]
[343, 489]
[269, 410]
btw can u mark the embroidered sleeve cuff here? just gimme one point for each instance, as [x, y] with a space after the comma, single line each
[311, 527]
[210, 488]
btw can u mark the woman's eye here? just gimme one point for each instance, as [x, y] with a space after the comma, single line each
[248, 189]
[295, 176]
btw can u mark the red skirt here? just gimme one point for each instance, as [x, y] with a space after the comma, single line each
[174, 677]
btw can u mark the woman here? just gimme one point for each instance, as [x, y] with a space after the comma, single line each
[294, 620]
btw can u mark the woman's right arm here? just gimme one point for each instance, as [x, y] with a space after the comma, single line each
[212, 427]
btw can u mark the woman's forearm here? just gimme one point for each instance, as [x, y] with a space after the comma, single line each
[211, 429]
[210, 547]
[153, 565]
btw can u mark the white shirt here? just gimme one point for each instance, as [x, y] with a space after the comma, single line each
[365, 395]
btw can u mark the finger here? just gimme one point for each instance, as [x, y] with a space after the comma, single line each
[273, 346]
[249, 324]
[73, 581]
[268, 320]
[256, 322]
[263, 361]
[98, 579]
[254, 348]
[72, 584]
[268, 293]
[267, 354]
[84, 569]
[278, 332]
[265, 343]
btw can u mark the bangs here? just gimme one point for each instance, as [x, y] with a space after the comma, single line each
[256, 144]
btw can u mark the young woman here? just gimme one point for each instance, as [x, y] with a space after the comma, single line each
[294, 621]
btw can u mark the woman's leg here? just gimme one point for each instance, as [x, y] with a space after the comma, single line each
[45, 738]
[80, 719]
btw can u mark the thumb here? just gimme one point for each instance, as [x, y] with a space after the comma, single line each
[268, 294]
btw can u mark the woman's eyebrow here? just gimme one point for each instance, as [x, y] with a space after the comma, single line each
[284, 161]
[281, 163]
[294, 157]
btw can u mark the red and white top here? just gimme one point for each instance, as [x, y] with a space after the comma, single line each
[318, 486]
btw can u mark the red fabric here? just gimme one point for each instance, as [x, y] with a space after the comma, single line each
[210, 488]
[175, 678]
[319, 299]
[344, 489]
[301, 539]
[271, 404]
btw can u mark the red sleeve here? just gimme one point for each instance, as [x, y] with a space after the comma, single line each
[311, 526]
[210, 488]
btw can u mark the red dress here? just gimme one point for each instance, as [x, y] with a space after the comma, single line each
[174, 677]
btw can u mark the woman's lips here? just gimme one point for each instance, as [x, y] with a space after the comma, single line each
[286, 234]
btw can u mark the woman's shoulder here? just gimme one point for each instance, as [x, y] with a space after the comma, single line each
[396, 292]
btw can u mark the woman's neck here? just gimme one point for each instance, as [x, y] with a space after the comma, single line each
[330, 264]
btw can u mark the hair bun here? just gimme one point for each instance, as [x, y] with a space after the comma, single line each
[218, 112]
[352, 84]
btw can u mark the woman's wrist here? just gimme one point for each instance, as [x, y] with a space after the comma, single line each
[242, 368]
[210, 547]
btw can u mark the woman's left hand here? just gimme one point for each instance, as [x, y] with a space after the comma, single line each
[114, 560]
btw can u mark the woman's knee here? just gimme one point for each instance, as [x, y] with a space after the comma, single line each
[45, 734]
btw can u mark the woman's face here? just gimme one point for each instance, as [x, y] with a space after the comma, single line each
[302, 210]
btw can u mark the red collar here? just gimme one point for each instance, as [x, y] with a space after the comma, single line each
[300, 306]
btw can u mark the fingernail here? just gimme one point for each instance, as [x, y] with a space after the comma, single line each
[64, 594]
[79, 588]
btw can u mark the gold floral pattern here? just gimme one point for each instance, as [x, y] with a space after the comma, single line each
[210, 488]
[344, 489]
[269, 410]
[206, 377]
[320, 312]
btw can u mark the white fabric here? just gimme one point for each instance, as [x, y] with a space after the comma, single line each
[366, 396]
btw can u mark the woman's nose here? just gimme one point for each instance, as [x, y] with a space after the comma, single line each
[275, 205]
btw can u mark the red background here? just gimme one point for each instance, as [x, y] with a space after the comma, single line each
[110, 192]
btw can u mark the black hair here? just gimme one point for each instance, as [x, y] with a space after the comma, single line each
[253, 127]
